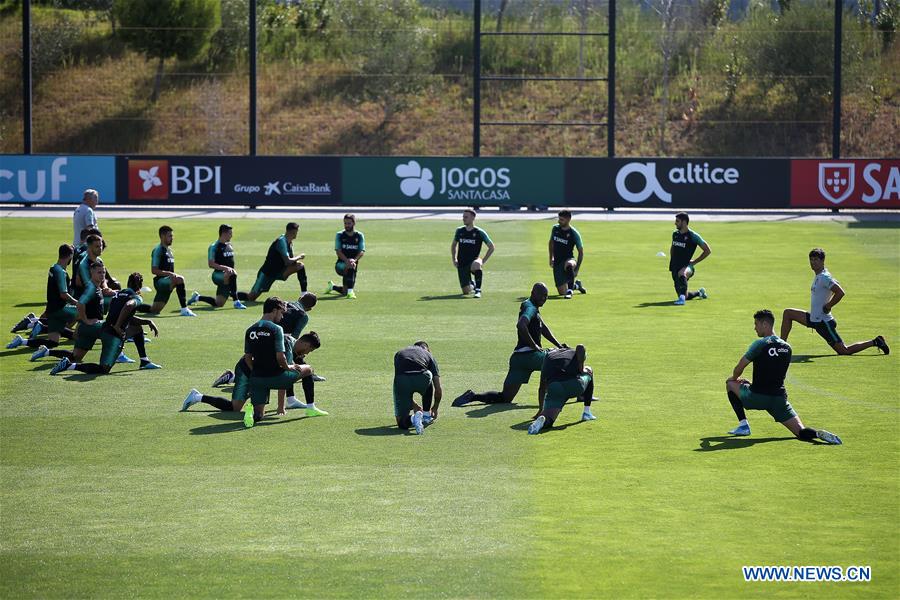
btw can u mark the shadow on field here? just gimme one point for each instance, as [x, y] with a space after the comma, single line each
[727, 442]
[523, 426]
[237, 424]
[30, 304]
[381, 431]
[650, 304]
[807, 358]
[490, 409]
[874, 224]
[458, 296]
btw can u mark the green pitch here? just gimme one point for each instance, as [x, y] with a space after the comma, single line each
[107, 490]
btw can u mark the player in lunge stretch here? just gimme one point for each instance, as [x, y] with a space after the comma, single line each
[681, 258]
[465, 251]
[280, 263]
[771, 358]
[825, 293]
[528, 356]
[220, 259]
[120, 323]
[165, 279]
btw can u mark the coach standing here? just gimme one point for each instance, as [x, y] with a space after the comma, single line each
[84, 216]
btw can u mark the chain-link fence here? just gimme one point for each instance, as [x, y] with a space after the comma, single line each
[397, 77]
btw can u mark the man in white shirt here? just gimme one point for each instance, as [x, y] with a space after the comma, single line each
[826, 292]
[84, 216]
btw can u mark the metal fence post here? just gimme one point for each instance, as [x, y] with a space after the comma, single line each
[26, 76]
[836, 96]
[476, 82]
[253, 135]
[611, 83]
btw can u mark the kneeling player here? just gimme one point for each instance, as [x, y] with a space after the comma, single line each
[528, 356]
[771, 357]
[350, 247]
[60, 304]
[563, 238]
[220, 259]
[280, 263]
[564, 376]
[464, 252]
[119, 320]
[165, 279]
[416, 372]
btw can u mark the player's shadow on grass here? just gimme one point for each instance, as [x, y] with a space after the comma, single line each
[727, 442]
[523, 426]
[807, 358]
[651, 304]
[490, 409]
[444, 297]
[30, 305]
[382, 431]
[235, 422]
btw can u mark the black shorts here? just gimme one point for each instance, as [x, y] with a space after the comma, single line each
[464, 272]
[826, 329]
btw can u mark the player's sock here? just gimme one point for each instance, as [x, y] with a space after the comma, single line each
[143, 308]
[349, 279]
[588, 396]
[301, 277]
[232, 288]
[222, 404]
[807, 434]
[140, 345]
[738, 408]
[405, 422]
[309, 390]
[182, 295]
[243, 296]
[88, 368]
[479, 277]
[691, 295]
[337, 288]
[208, 299]
[61, 354]
[427, 398]
[488, 398]
[38, 342]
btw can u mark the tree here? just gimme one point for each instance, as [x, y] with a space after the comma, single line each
[163, 29]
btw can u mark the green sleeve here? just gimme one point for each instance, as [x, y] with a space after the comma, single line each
[552, 229]
[529, 312]
[84, 272]
[456, 235]
[362, 242]
[485, 237]
[697, 239]
[754, 349]
[283, 247]
[211, 255]
[578, 243]
[89, 290]
[156, 257]
[279, 338]
[59, 275]
[337, 241]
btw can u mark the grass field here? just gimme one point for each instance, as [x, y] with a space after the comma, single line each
[107, 490]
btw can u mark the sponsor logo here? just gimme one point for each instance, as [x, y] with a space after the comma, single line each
[836, 181]
[774, 352]
[690, 174]
[471, 184]
[255, 335]
[159, 180]
[272, 188]
[57, 178]
[414, 180]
